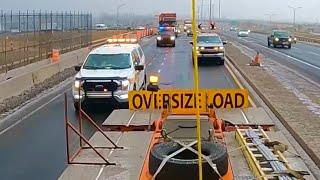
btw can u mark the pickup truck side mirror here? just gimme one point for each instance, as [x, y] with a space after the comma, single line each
[77, 68]
[224, 42]
[191, 42]
[138, 67]
[272, 36]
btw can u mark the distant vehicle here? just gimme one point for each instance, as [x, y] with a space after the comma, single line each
[101, 27]
[210, 48]
[177, 32]
[167, 22]
[243, 33]
[280, 38]
[187, 25]
[294, 39]
[189, 32]
[141, 28]
[166, 39]
[233, 29]
[109, 73]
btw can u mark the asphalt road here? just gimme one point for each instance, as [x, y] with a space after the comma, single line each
[34, 148]
[302, 57]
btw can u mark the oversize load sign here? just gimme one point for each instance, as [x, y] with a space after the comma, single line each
[186, 101]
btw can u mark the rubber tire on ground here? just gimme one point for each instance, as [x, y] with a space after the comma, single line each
[188, 168]
[289, 46]
[269, 44]
[174, 45]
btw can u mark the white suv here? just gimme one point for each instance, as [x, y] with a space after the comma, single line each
[109, 73]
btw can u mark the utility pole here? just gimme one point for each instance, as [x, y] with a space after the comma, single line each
[118, 8]
[294, 14]
[219, 9]
[201, 10]
[210, 7]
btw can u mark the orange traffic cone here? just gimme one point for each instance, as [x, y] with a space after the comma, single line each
[256, 60]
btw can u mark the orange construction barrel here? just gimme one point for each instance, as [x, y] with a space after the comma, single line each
[55, 56]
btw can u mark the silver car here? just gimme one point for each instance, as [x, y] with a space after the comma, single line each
[210, 48]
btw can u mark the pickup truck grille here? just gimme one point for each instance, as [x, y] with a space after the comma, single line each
[283, 39]
[100, 86]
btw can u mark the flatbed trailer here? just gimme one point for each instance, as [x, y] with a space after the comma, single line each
[136, 132]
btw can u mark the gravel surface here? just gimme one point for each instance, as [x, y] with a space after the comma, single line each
[295, 99]
[12, 103]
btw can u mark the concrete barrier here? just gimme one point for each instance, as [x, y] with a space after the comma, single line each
[15, 86]
[18, 84]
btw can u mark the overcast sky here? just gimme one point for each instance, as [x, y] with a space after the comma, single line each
[239, 9]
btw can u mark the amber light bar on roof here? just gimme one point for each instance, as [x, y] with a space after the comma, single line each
[122, 40]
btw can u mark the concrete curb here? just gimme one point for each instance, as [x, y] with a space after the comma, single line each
[302, 143]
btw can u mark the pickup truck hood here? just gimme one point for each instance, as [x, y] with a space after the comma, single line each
[209, 44]
[90, 73]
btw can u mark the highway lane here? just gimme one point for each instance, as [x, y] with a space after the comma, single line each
[303, 58]
[35, 147]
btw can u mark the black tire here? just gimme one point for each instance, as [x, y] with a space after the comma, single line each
[289, 46]
[268, 44]
[174, 45]
[185, 164]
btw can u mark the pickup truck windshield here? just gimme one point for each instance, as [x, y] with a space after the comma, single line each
[281, 34]
[107, 61]
[209, 39]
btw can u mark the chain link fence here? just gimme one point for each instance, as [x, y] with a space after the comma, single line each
[30, 36]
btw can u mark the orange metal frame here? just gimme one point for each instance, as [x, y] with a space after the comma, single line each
[157, 138]
[68, 125]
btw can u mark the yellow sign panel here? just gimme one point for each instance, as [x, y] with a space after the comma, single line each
[186, 101]
[179, 101]
[227, 98]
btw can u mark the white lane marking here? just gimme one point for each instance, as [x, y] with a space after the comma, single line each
[244, 116]
[132, 116]
[293, 58]
[313, 53]
[159, 70]
[103, 166]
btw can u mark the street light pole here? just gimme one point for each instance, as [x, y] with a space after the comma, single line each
[270, 17]
[294, 14]
[118, 8]
[219, 9]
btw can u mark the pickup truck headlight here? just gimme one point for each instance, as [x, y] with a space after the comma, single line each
[276, 39]
[77, 84]
[188, 31]
[125, 84]
[221, 48]
[202, 48]
[289, 39]
[185, 27]
[172, 38]
[159, 38]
